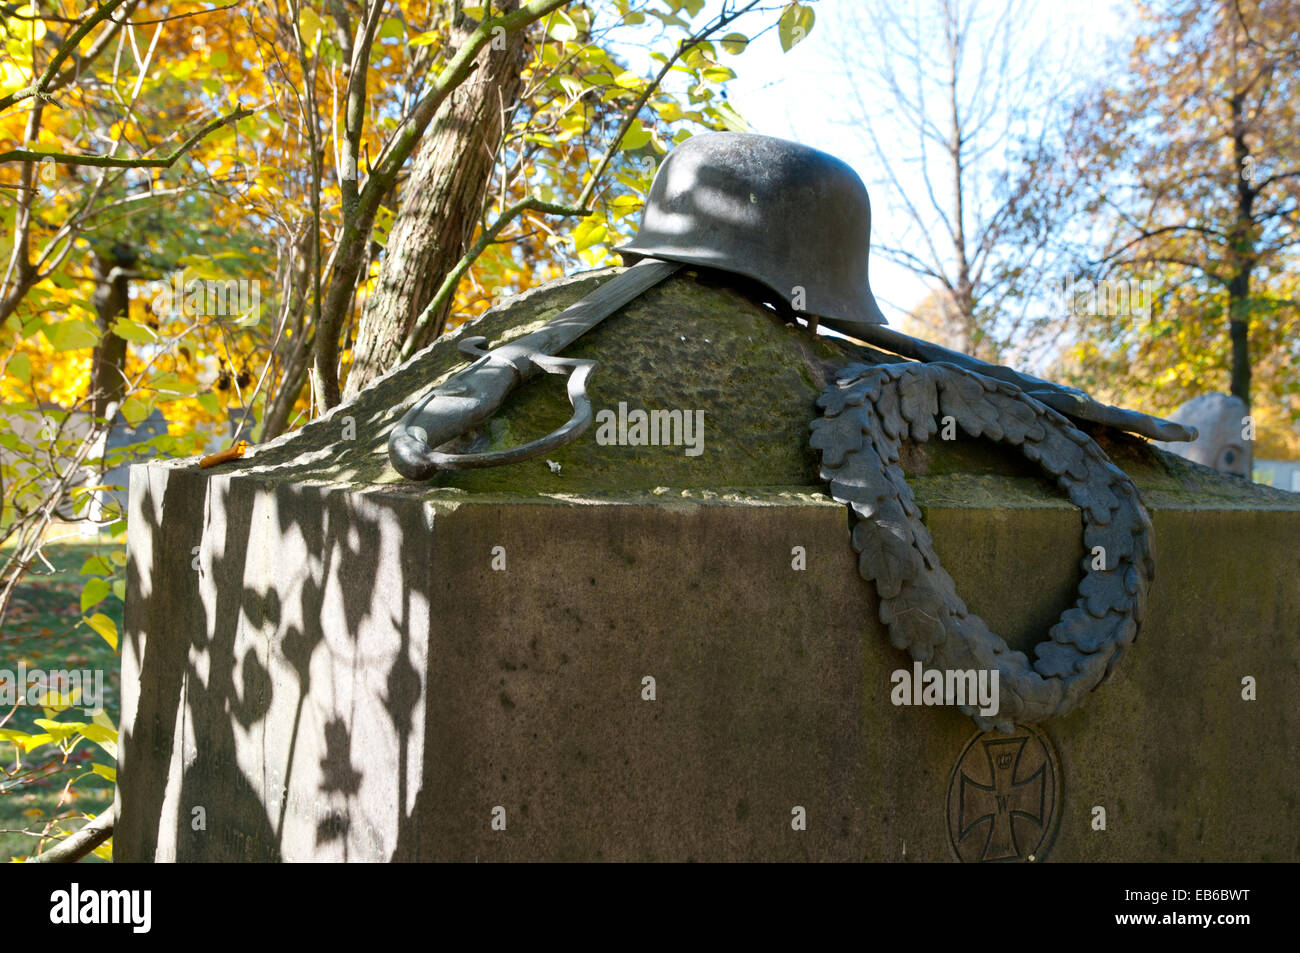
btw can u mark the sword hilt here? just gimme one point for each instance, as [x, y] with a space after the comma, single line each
[411, 454]
[474, 394]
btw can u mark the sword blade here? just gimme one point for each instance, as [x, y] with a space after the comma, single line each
[1069, 401]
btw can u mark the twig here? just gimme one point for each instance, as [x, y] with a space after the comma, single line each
[116, 162]
[76, 846]
[41, 86]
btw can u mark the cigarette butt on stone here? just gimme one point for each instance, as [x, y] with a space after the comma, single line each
[224, 456]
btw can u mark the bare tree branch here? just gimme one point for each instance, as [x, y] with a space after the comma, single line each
[117, 162]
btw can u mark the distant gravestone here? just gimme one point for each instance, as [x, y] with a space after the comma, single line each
[123, 448]
[1221, 421]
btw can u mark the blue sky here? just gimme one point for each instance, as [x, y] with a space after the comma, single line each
[805, 95]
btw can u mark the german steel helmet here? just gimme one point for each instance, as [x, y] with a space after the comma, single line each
[794, 219]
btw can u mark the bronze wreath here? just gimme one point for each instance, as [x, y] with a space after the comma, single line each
[867, 412]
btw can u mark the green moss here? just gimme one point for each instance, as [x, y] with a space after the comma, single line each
[688, 345]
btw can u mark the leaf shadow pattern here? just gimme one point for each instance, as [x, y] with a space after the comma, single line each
[277, 640]
[274, 659]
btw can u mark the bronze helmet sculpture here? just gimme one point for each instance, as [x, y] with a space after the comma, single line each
[794, 219]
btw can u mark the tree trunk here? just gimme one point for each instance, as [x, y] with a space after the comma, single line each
[1239, 331]
[1243, 256]
[112, 270]
[440, 207]
[294, 368]
[964, 292]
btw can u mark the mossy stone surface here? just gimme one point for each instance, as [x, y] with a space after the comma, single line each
[682, 346]
[690, 345]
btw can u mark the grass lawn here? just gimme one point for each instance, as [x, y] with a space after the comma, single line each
[44, 630]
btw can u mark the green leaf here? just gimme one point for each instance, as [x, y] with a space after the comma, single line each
[562, 27]
[172, 386]
[624, 205]
[42, 147]
[134, 410]
[131, 331]
[571, 85]
[106, 628]
[392, 27]
[629, 81]
[71, 335]
[119, 589]
[104, 771]
[795, 24]
[60, 730]
[104, 736]
[94, 592]
[210, 402]
[636, 136]
[425, 39]
[309, 25]
[96, 566]
[669, 20]
[735, 42]
[20, 367]
[670, 111]
[729, 117]
[25, 741]
[11, 77]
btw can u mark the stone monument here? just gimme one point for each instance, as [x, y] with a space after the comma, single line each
[654, 643]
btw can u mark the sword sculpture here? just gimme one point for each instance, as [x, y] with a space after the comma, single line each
[777, 215]
[474, 394]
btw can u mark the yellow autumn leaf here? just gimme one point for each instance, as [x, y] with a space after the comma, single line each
[105, 626]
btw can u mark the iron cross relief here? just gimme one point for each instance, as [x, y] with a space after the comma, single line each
[1004, 800]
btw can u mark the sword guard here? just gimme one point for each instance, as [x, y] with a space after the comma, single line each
[578, 369]
[475, 346]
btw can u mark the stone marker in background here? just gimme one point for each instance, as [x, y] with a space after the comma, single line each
[1221, 421]
[640, 651]
[118, 451]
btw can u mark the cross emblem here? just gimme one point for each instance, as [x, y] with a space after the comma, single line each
[1006, 798]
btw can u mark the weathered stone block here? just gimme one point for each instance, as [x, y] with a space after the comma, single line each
[323, 663]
